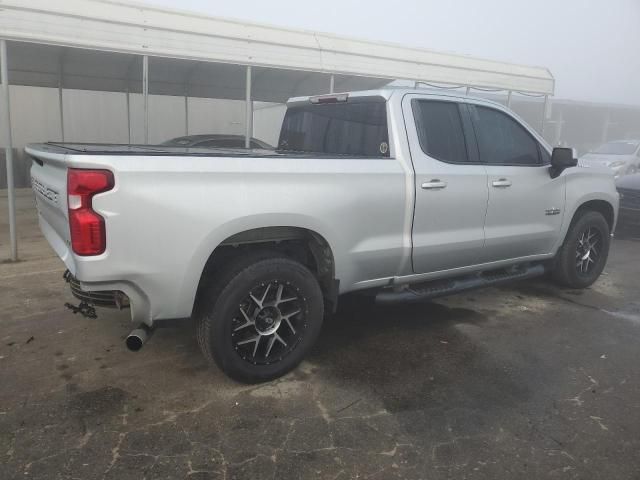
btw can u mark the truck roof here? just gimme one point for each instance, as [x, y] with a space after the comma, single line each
[387, 92]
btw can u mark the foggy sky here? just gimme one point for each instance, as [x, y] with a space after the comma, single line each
[591, 47]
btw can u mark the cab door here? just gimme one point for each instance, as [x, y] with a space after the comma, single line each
[526, 205]
[451, 185]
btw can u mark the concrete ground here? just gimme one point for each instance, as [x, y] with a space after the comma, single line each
[526, 381]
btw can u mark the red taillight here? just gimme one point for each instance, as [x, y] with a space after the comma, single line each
[88, 236]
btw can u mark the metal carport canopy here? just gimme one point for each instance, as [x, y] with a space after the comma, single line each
[107, 45]
[136, 28]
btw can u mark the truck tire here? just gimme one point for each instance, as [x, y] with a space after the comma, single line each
[583, 254]
[259, 317]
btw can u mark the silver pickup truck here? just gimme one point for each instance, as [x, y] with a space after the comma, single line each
[400, 194]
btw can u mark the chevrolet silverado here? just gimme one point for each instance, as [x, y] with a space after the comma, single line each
[401, 194]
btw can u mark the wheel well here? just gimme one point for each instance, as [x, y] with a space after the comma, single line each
[600, 206]
[300, 244]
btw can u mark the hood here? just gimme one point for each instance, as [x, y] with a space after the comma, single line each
[631, 182]
[592, 159]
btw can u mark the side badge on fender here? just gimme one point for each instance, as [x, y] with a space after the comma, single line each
[552, 211]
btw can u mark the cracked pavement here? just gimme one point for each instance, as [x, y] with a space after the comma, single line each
[524, 381]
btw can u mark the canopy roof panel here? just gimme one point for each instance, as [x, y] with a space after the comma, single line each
[219, 46]
[75, 68]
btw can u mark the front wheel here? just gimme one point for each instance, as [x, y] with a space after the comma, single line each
[260, 317]
[584, 253]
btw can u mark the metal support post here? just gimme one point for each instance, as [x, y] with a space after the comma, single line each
[186, 114]
[8, 149]
[145, 96]
[545, 109]
[60, 104]
[128, 115]
[248, 125]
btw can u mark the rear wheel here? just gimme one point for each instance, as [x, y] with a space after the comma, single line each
[583, 255]
[260, 317]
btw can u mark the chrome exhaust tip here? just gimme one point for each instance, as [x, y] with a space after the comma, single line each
[138, 337]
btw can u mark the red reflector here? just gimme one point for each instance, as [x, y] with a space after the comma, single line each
[87, 228]
[89, 181]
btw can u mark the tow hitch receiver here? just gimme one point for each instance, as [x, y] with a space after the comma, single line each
[83, 309]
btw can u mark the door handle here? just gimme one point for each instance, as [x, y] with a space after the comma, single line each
[502, 183]
[434, 184]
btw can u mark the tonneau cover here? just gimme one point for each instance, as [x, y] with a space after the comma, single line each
[150, 150]
[169, 151]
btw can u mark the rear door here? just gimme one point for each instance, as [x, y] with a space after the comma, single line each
[451, 185]
[526, 205]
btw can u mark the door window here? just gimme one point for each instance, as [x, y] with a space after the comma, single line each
[502, 140]
[440, 132]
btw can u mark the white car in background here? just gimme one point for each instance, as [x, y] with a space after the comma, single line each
[621, 156]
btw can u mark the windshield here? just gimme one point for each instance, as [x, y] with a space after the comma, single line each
[358, 129]
[617, 148]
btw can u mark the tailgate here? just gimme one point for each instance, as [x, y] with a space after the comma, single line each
[49, 183]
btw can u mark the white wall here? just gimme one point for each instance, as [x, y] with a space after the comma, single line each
[34, 115]
[267, 120]
[101, 117]
[208, 115]
[166, 118]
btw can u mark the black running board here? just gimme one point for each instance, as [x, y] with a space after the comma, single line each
[441, 288]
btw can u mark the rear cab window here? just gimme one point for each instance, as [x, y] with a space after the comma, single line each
[357, 127]
[439, 125]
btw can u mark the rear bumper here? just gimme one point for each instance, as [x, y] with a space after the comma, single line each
[99, 298]
[118, 294]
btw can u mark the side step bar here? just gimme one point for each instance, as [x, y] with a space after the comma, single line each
[441, 288]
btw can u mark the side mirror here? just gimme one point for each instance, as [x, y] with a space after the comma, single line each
[562, 158]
